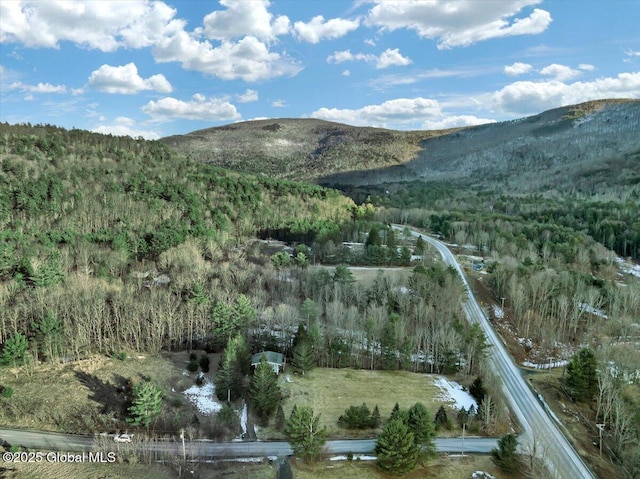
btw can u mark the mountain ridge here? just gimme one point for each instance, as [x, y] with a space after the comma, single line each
[576, 140]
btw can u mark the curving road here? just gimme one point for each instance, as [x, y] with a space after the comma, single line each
[210, 449]
[560, 456]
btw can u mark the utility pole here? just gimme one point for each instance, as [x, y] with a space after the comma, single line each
[464, 424]
[184, 451]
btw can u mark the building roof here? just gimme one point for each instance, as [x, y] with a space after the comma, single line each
[272, 357]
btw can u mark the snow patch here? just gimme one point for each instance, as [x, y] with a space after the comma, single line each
[356, 457]
[498, 312]
[590, 309]
[526, 342]
[482, 475]
[454, 392]
[628, 267]
[553, 364]
[202, 398]
[243, 419]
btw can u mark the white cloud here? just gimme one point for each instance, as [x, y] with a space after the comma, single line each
[245, 19]
[455, 121]
[29, 97]
[386, 59]
[278, 103]
[455, 24]
[104, 26]
[370, 42]
[39, 88]
[517, 69]
[392, 57]
[248, 96]
[397, 111]
[124, 130]
[248, 59]
[347, 56]
[560, 72]
[198, 108]
[346, 73]
[125, 80]
[526, 97]
[586, 67]
[631, 53]
[319, 29]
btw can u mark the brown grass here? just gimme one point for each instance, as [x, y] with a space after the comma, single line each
[72, 397]
[136, 471]
[444, 467]
[331, 391]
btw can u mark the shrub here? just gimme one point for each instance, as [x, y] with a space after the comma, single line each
[204, 363]
[193, 357]
[6, 392]
[359, 417]
[192, 366]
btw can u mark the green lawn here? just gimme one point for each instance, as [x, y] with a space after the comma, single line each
[331, 391]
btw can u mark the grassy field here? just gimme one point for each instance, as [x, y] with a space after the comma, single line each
[331, 391]
[136, 471]
[443, 467]
[366, 276]
[83, 395]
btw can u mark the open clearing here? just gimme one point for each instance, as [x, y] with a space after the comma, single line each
[331, 391]
[366, 275]
[82, 395]
[443, 467]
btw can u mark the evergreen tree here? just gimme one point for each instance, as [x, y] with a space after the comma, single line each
[343, 275]
[373, 239]
[264, 392]
[477, 390]
[229, 380]
[14, 350]
[48, 332]
[304, 433]
[303, 357]
[582, 375]
[375, 418]
[421, 424]
[392, 247]
[396, 448]
[442, 419]
[146, 404]
[280, 419]
[420, 246]
[505, 456]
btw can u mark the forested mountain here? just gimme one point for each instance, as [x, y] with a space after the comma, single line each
[592, 147]
[584, 147]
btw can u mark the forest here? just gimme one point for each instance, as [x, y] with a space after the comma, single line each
[111, 245]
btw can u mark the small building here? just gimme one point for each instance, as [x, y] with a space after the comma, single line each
[275, 360]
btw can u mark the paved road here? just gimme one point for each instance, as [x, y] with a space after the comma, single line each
[561, 458]
[208, 449]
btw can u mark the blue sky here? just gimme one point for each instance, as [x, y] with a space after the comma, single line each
[155, 69]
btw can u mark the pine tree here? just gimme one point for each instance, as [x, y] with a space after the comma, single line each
[421, 424]
[373, 239]
[442, 419]
[582, 375]
[505, 456]
[14, 350]
[264, 392]
[419, 249]
[229, 380]
[375, 418]
[147, 402]
[477, 390]
[396, 448]
[303, 357]
[304, 433]
[280, 419]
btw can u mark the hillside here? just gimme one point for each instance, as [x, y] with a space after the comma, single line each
[570, 147]
[299, 148]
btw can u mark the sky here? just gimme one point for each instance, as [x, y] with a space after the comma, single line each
[160, 68]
